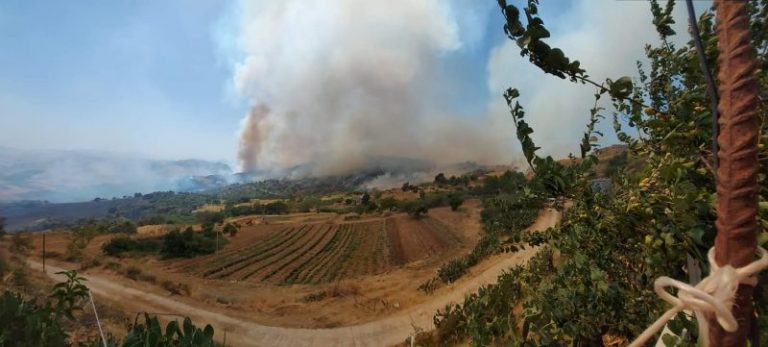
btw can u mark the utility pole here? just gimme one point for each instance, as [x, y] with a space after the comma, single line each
[737, 189]
[43, 251]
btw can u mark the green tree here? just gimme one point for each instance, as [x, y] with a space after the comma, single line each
[79, 238]
[440, 179]
[387, 204]
[593, 275]
[210, 217]
[455, 200]
[415, 208]
[21, 242]
[230, 229]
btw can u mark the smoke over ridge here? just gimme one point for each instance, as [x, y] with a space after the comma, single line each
[335, 83]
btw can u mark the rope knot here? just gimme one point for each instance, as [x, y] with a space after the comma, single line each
[714, 295]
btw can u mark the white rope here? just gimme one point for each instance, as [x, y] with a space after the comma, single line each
[98, 323]
[714, 294]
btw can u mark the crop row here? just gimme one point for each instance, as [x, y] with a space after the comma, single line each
[316, 253]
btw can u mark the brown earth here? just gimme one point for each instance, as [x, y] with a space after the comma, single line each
[255, 311]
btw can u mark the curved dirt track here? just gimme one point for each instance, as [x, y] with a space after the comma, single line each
[386, 331]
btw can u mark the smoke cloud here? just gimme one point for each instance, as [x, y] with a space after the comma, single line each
[336, 83]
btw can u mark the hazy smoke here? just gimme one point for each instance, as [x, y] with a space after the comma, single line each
[251, 133]
[338, 82]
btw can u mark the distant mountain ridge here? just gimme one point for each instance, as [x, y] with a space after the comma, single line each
[66, 176]
[38, 215]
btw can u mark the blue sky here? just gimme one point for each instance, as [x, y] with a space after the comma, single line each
[155, 78]
[141, 77]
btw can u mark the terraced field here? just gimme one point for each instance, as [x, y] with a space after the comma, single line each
[322, 252]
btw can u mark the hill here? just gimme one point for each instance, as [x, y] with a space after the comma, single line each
[66, 176]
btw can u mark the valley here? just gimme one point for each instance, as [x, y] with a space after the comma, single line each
[365, 325]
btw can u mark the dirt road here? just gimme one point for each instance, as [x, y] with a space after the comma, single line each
[383, 332]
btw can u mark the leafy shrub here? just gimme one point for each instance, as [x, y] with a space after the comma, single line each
[504, 212]
[107, 226]
[415, 208]
[245, 210]
[175, 288]
[187, 244]
[21, 243]
[407, 186]
[150, 333]
[3, 267]
[133, 272]
[144, 277]
[429, 286]
[90, 263]
[121, 245]
[230, 229]
[40, 323]
[387, 204]
[277, 207]
[153, 220]
[510, 182]
[79, 238]
[455, 200]
[19, 275]
[210, 217]
[612, 245]
[318, 296]
[53, 255]
[452, 270]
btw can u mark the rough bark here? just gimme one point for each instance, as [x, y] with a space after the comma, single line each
[737, 187]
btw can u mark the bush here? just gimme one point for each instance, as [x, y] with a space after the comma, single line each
[277, 207]
[3, 267]
[150, 333]
[33, 324]
[153, 220]
[147, 278]
[440, 179]
[21, 243]
[53, 255]
[175, 288]
[415, 208]
[120, 245]
[133, 272]
[245, 210]
[313, 297]
[122, 226]
[40, 323]
[388, 204]
[455, 200]
[430, 285]
[90, 263]
[188, 244]
[79, 238]
[452, 270]
[230, 229]
[210, 217]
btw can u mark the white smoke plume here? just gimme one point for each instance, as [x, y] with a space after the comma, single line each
[335, 83]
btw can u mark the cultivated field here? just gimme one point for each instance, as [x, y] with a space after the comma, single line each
[326, 252]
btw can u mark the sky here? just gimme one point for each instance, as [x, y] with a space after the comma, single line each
[177, 79]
